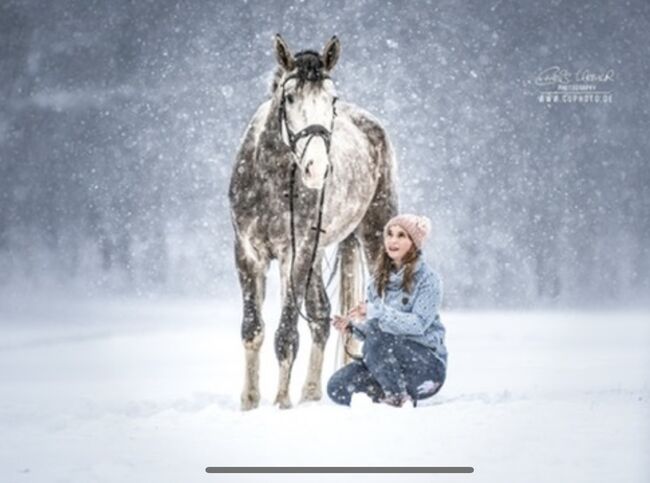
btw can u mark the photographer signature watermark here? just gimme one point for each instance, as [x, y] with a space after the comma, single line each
[562, 86]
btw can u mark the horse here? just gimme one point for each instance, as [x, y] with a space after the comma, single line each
[311, 171]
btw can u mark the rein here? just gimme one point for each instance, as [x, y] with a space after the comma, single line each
[319, 230]
[310, 132]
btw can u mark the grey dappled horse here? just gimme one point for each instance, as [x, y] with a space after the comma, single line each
[305, 155]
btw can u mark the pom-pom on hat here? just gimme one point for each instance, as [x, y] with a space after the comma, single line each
[417, 227]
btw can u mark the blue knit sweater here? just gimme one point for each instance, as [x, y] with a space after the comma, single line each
[412, 315]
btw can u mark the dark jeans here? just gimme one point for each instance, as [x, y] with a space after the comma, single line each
[391, 366]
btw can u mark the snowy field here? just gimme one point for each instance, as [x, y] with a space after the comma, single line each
[149, 391]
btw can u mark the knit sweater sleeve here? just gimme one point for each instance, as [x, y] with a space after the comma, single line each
[360, 330]
[428, 296]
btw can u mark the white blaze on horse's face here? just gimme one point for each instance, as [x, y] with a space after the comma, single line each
[310, 104]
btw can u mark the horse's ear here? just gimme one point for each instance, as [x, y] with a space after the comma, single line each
[331, 53]
[283, 54]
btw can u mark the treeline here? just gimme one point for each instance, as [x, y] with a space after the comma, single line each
[119, 122]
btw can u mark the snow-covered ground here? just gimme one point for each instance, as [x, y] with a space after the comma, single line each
[149, 391]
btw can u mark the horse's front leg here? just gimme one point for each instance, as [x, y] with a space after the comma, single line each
[318, 309]
[252, 277]
[286, 336]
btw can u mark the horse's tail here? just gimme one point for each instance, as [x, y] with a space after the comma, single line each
[351, 289]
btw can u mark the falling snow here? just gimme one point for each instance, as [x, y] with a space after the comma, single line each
[119, 124]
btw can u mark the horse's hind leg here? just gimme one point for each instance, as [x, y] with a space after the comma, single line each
[317, 306]
[351, 291]
[252, 277]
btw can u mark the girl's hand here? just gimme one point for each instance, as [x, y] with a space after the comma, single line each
[340, 323]
[358, 312]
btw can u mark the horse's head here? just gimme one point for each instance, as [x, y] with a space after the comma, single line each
[306, 98]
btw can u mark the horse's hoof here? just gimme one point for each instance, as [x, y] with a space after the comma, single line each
[249, 401]
[284, 402]
[311, 392]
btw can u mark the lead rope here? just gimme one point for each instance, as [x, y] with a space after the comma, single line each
[293, 139]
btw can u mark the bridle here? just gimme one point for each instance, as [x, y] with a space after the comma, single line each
[311, 130]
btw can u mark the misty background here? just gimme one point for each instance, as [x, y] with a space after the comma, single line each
[120, 120]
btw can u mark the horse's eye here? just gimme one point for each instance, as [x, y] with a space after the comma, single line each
[289, 98]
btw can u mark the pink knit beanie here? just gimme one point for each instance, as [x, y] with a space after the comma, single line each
[418, 227]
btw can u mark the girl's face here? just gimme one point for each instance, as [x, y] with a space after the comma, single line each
[397, 243]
